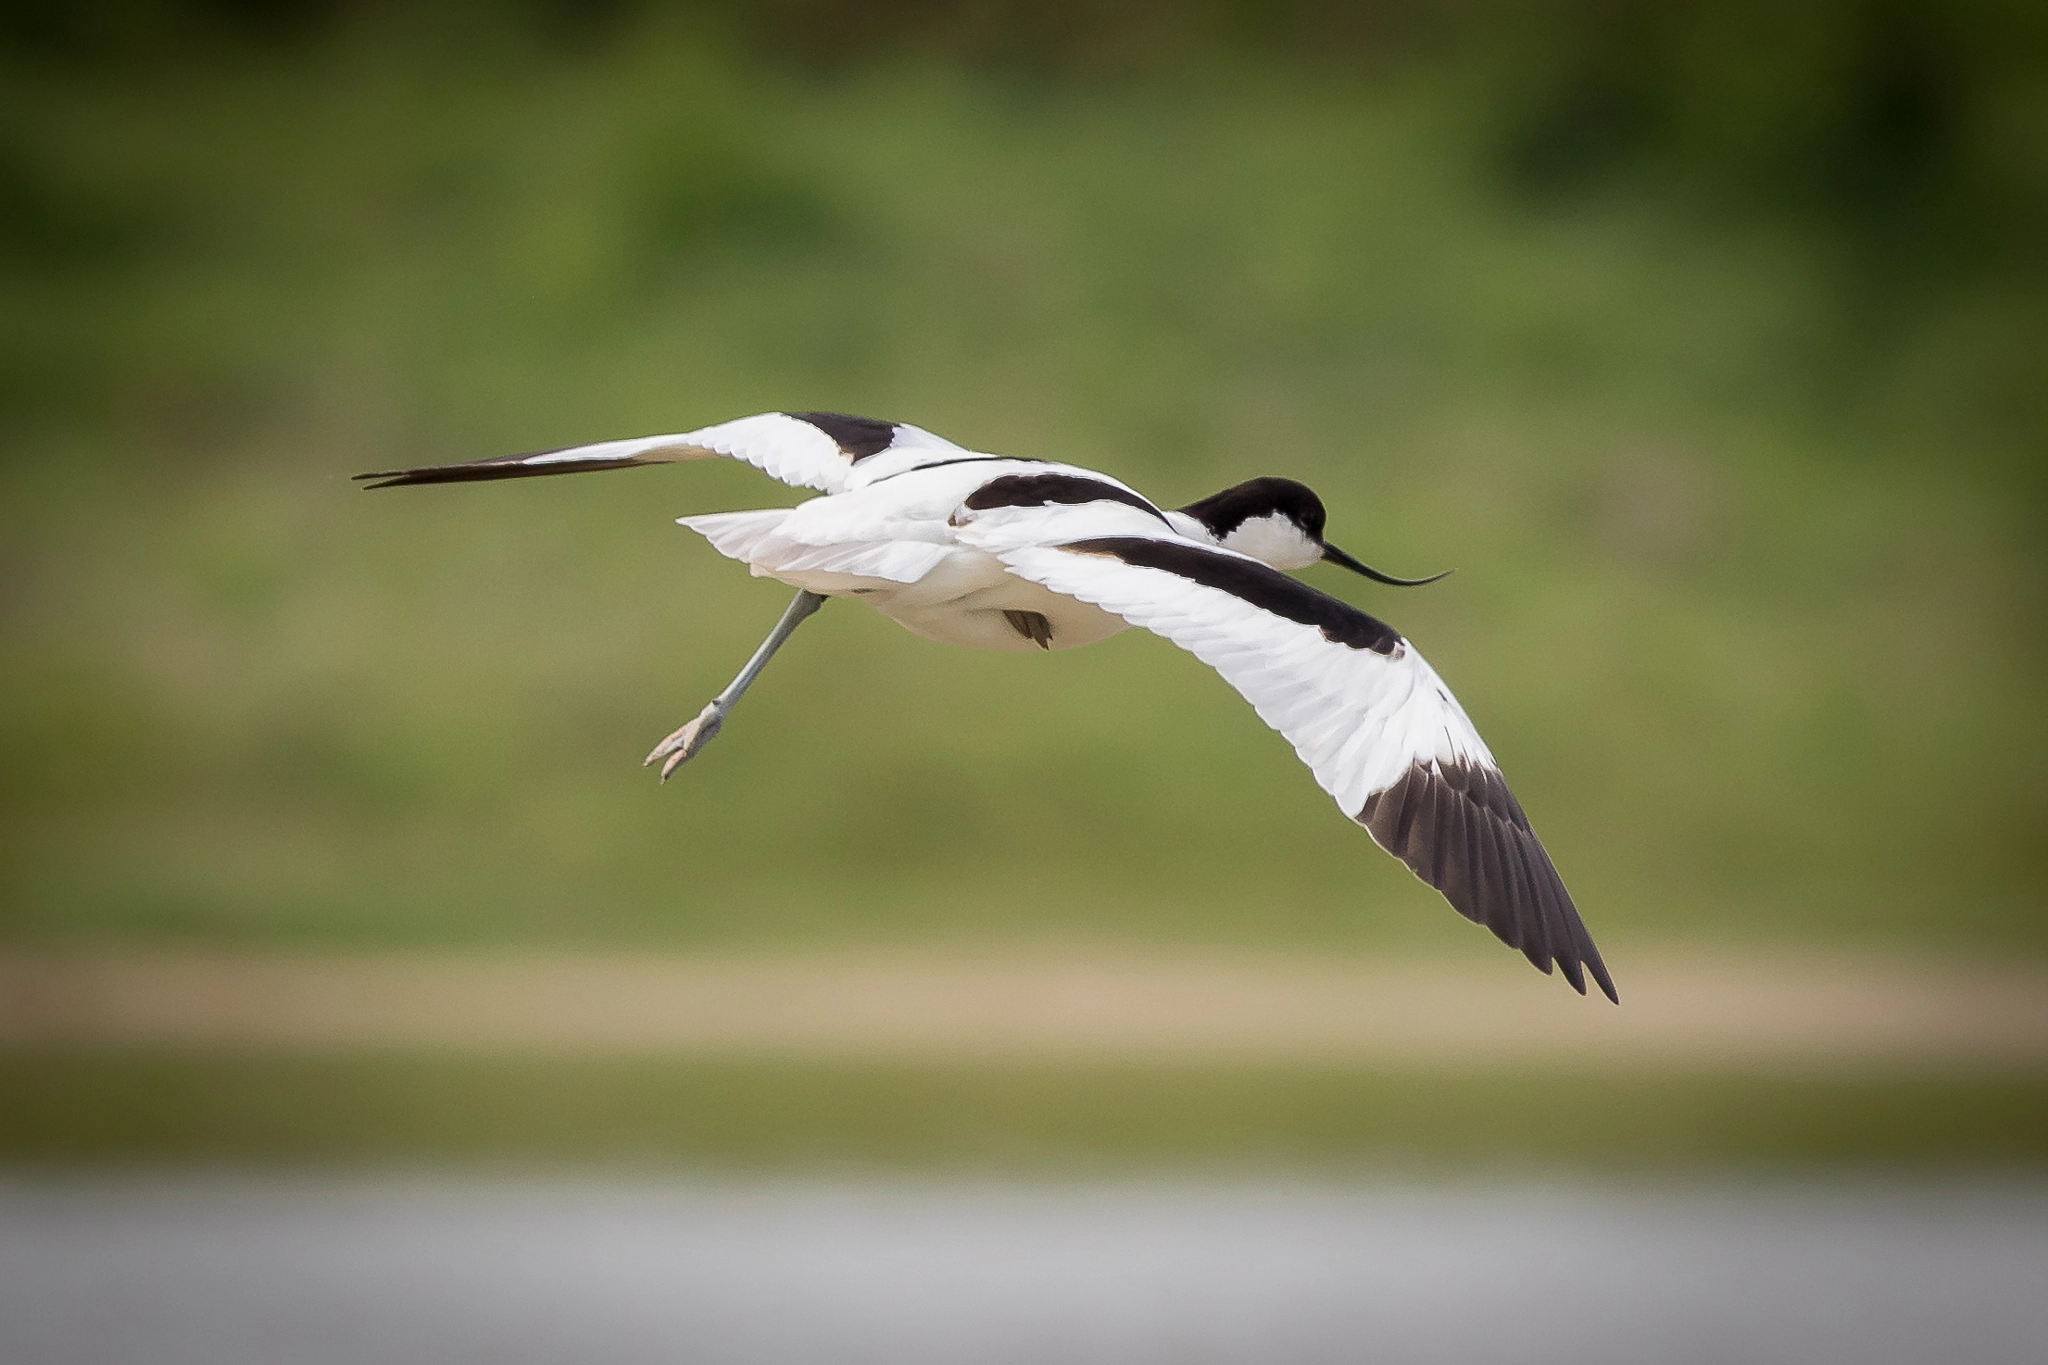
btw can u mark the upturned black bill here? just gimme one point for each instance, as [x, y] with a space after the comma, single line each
[1337, 556]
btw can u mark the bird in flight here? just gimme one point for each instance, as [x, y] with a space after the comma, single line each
[999, 552]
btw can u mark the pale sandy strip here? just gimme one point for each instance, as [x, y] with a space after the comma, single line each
[1678, 1009]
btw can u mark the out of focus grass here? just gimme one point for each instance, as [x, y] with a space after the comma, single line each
[792, 1115]
[1747, 505]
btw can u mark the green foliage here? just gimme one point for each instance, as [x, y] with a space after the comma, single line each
[1746, 496]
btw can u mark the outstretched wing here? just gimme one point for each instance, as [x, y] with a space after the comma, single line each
[820, 450]
[1364, 711]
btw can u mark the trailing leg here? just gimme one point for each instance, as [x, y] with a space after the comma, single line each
[684, 745]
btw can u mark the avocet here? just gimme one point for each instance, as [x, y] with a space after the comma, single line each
[999, 552]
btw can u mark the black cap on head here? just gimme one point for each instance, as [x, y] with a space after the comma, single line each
[1224, 512]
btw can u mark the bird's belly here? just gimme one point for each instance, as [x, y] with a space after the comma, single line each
[962, 601]
[979, 620]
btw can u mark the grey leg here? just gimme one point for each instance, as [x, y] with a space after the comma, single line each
[685, 743]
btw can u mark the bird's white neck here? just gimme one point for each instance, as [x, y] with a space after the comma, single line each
[1273, 539]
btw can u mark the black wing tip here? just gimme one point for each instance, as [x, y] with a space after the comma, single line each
[504, 467]
[408, 478]
[1579, 961]
[1575, 970]
[1576, 967]
[1416, 818]
[1606, 982]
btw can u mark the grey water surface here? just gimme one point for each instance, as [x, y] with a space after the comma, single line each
[233, 1270]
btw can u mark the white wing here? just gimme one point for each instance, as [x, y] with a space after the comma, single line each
[828, 451]
[1364, 711]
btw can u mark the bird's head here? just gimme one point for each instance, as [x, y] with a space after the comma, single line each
[1277, 522]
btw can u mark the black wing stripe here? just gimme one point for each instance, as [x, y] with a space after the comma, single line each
[957, 459]
[1039, 490]
[1250, 581]
[1458, 827]
[859, 437]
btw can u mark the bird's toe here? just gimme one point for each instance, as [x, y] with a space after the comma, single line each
[687, 741]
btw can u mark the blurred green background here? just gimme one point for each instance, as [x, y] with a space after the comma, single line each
[1708, 341]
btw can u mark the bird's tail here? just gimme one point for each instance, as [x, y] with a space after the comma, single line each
[738, 535]
[756, 539]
